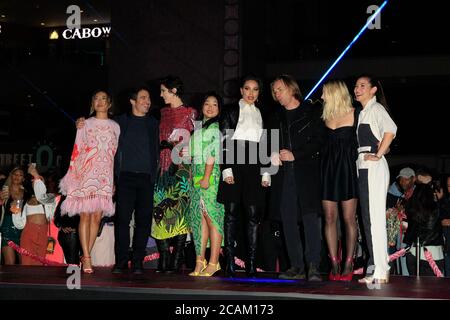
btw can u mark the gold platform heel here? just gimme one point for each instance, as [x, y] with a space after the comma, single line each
[196, 273]
[209, 274]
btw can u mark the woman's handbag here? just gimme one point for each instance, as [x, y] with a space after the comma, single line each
[51, 242]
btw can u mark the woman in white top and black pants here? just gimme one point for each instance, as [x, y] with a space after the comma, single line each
[375, 131]
[241, 184]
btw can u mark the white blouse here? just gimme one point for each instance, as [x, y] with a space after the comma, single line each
[48, 203]
[249, 126]
[378, 119]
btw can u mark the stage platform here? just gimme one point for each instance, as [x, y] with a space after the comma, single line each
[49, 283]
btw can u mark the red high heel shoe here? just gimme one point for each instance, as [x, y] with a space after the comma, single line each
[83, 264]
[334, 276]
[348, 276]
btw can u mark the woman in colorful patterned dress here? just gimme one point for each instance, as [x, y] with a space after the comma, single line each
[88, 183]
[206, 215]
[171, 197]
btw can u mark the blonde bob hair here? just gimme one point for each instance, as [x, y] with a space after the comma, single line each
[337, 100]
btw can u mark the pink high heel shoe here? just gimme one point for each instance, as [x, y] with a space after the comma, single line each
[83, 264]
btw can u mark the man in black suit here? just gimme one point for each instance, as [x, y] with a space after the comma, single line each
[295, 190]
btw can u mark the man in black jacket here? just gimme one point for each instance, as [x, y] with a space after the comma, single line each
[135, 171]
[295, 195]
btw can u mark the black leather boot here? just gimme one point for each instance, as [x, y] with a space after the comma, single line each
[230, 226]
[252, 240]
[164, 255]
[177, 254]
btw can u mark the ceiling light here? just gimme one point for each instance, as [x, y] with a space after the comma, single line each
[54, 35]
[3, 16]
[42, 24]
[95, 20]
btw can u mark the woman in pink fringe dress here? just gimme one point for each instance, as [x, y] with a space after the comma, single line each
[88, 183]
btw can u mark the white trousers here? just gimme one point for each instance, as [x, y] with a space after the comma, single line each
[375, 200]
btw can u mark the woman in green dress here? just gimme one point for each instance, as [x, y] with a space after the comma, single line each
[206, 215]
[171, 196]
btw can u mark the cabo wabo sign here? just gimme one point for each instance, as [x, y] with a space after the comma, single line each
[86, 33]
[74, 30]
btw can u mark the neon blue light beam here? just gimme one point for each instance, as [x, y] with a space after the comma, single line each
[348, 48]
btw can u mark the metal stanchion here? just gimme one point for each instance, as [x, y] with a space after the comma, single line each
[418, 257]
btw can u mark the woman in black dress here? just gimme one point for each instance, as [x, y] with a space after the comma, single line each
[338, 173]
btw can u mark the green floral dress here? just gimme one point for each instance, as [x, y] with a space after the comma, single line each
[205, 143]
[171, 193]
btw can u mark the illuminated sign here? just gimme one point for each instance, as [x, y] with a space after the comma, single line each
[44, 154]
[86, 33]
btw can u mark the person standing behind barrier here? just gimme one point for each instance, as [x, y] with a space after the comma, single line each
[398, 194]
[88, 183]
[241, 185]
[206, 215]
[13, 192]
[376, 130]
[295, 194]
[35, 218]
[444, 212]
[171, 197]
[424, 224]
[339, 175]
[68, 237]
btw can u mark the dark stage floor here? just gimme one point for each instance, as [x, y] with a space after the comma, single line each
[20, 282]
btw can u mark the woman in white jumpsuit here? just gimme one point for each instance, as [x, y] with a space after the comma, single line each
[376, 130]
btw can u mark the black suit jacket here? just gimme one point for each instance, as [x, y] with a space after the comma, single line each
[308, 135]
[251, 189]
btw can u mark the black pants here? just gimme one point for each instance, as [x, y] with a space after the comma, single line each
[134, 193]
[70, 243]
[290, 216]
[365, 214]
[272, 246]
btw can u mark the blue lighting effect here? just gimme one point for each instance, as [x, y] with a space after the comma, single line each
[346, 49]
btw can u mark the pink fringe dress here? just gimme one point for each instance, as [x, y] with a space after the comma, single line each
[88, 183]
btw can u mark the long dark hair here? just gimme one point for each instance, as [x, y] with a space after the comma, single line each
[422, 203]
[109, 97]
[173, 82]
[219, 105]
[254, 78]
[375, 82]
